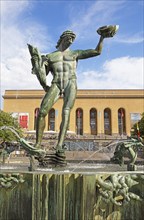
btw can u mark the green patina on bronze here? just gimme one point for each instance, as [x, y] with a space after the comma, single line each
[127, 148]
[71, 196]
[62, 64]
[47, 196]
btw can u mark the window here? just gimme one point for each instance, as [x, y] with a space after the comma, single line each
[22, 117]
[51, 120]
[121, 121]
[79, 121]
[23, 121]
[107, 121]
[93, 121]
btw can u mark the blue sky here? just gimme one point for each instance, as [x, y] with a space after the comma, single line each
[40, 23]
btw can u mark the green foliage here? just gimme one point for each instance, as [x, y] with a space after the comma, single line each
[140, 125]
[6, 119]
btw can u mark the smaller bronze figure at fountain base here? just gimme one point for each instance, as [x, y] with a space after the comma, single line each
[127, 148]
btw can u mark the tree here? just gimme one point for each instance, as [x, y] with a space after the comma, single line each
[139, 127]
[6, 119]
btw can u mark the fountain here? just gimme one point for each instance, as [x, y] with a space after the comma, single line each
[75, 191]
[52, 187]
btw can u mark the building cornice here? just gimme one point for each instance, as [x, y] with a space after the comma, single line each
[87, 93]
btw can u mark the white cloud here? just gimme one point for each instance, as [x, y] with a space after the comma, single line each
[119, 73]
[132, 39]
[16, 73]
[10, 10]
[100, 13]
[97, 13]
[124, 72]
[15, 34]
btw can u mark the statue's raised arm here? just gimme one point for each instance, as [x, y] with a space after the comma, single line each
[104, 32]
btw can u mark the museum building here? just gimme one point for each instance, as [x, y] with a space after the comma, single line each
[95, 112]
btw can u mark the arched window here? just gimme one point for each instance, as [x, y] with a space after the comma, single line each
[121, 121]
[51, 120]
[79, 121]
[93, 121]
[107, 121]
[36, 111]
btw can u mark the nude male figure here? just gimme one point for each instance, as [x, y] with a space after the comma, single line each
[62, 63]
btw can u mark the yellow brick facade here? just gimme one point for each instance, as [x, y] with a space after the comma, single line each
[131, 101]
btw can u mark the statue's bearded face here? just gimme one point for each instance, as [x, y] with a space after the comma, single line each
[66, 42]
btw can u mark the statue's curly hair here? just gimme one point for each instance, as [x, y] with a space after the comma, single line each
[64, 34]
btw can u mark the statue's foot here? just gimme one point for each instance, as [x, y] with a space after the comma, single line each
[40, 152]
[37, 150]
[38, 146]
[60, 149]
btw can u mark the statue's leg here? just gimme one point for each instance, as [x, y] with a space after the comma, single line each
[48, 101]
[133, 155]
[69, 99]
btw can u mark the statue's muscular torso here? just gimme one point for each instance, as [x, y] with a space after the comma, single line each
[63, 67]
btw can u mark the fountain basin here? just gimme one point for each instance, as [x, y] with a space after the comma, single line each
[68, 194]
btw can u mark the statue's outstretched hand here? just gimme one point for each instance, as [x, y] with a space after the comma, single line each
[108, 31]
